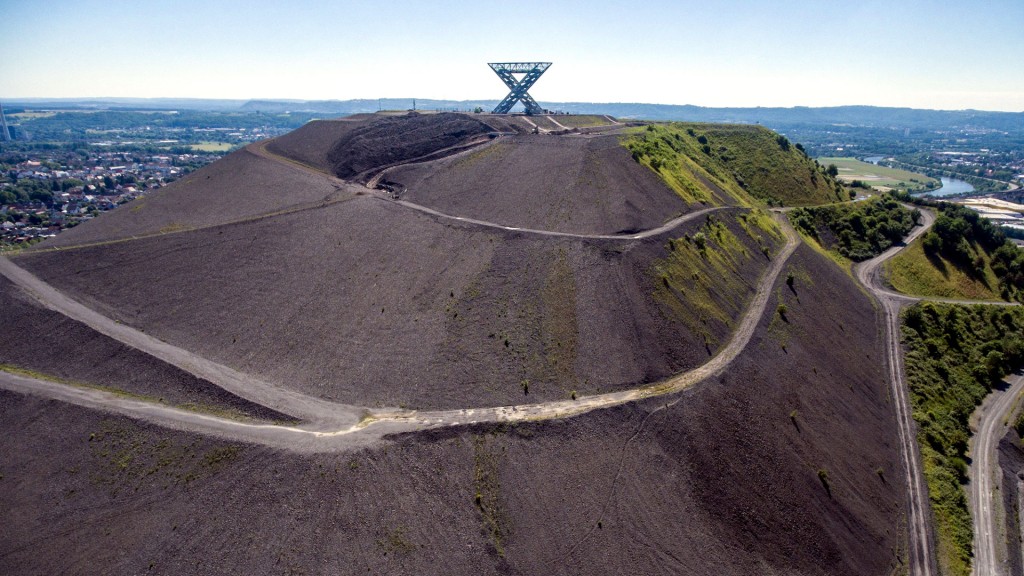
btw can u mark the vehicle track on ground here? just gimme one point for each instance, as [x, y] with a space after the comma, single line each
[347, 420]
[984, 442]
[921, 544]
[332, 426]
[260, 150]
[921, 558]
[984, 475]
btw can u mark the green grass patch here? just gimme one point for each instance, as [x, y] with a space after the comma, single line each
[732, 164]
[395, 541]
[914, 272]
[127, 458]
[480, 153]
[559, 324]
[963, 256]
[850, 169]
[487, 492]
[954, 355]
[700, 268]
[212, 146]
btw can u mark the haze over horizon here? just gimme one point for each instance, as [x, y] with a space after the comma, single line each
[911, 53]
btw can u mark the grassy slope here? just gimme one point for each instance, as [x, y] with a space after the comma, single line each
[913, 272]
[701, 267]
[954, 354]
[732, 164]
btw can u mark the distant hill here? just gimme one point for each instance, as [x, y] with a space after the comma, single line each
[869, 116]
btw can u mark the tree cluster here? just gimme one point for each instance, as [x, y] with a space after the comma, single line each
[954, 356]
[963, 237]
[857, 231]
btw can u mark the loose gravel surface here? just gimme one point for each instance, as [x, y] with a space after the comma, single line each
[722, 479]
[782, 462]
[238, 187]
[580, 185]
[372, 304]
[35, 338]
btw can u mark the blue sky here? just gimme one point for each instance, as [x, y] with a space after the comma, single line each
[917, 53]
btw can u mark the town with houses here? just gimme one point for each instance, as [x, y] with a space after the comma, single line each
[42, 193]
[59, 168]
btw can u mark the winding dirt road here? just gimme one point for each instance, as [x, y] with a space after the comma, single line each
[922, 560]
[921, 557]
[327, 425]
[989, 551]
[332, 427]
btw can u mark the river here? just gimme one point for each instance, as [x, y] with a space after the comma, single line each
[950, 186]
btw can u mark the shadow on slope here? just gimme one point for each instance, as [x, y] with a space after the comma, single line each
[311, 143]
[389, 140]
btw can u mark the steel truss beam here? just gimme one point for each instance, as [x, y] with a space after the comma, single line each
[518, 88]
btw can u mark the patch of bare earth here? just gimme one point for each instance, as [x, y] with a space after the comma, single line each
[567, 184]
[237, 187]
[370, 303]
[723, 479]
[37, 339]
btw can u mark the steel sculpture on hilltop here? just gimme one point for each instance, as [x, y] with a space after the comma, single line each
[518, 88]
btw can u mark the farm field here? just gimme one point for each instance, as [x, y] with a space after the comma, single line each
[212, 146]
[851, 169]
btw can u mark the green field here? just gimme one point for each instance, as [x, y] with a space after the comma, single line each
[851, 169]
[212, 146]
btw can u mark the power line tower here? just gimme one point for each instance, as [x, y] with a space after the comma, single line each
[518, 88]
[6, 137]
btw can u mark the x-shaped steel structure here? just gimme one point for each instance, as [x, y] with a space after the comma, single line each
[518, 88]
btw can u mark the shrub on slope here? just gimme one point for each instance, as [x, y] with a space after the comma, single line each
[963, 256]
[856, 231]
[721, 163]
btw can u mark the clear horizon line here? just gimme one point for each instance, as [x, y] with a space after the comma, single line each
[287, 99]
